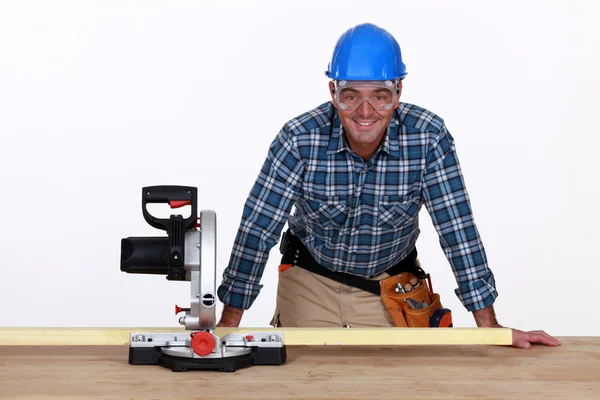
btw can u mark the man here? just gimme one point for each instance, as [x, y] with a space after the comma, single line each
[358, 169]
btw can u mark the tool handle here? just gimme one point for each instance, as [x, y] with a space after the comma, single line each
[176, 226]
[175, 196]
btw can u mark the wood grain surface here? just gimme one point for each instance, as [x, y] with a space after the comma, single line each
[571, 371]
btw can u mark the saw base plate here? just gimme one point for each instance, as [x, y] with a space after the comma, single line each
[258, 356]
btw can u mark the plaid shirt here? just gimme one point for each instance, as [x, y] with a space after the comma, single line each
[355, 216]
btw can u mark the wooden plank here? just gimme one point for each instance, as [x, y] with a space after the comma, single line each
[71, 336]
[292, 336]
[391, 336]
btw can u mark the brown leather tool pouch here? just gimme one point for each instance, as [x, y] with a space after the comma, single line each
[397, 303]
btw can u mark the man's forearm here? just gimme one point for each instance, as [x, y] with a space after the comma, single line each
[486, 318]
[231, 316]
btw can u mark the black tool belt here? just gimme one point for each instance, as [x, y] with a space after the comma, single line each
[295, 253]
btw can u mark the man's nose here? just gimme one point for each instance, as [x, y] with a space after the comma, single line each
[365, 108]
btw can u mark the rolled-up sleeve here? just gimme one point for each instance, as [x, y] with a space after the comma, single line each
[447, 201]
[265, 213]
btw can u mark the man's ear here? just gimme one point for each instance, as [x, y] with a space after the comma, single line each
[399, 93]
[332, 93]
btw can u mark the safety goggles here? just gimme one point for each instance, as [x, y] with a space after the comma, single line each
[381, 95]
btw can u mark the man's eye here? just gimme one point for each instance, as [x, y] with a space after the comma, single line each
[380, 98]
[350, 97]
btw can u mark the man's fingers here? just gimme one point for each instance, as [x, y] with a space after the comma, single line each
[545, 338]
[553, 341]
[521, 343]
[542, 337]
[524, 340]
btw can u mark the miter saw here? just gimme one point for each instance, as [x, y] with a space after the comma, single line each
[188, 253]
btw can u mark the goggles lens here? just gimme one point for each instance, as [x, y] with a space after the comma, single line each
[379, 94]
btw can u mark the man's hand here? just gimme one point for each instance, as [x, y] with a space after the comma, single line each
[231, 317]
[486, 318]
[523, 340]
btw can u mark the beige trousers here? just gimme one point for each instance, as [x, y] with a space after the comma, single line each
[305, 299]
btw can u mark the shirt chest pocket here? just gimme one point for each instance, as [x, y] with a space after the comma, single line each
[330, 213]
[397, 211]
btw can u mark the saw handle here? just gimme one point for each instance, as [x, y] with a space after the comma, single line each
[175, 196]
[176, 226]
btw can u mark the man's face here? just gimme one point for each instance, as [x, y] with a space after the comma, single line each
[365, 123]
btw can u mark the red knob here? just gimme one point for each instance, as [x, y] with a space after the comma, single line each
[180, 309]
[203, 343]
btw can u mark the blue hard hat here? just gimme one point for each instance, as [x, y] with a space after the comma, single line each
[366, 52]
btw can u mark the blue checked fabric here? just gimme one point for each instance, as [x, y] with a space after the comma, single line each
[354, 216]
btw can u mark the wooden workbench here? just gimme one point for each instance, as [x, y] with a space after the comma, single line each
[571, 371]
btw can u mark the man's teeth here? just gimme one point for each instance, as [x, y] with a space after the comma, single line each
[367, 123]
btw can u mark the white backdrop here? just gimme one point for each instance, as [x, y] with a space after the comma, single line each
[98, 99]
